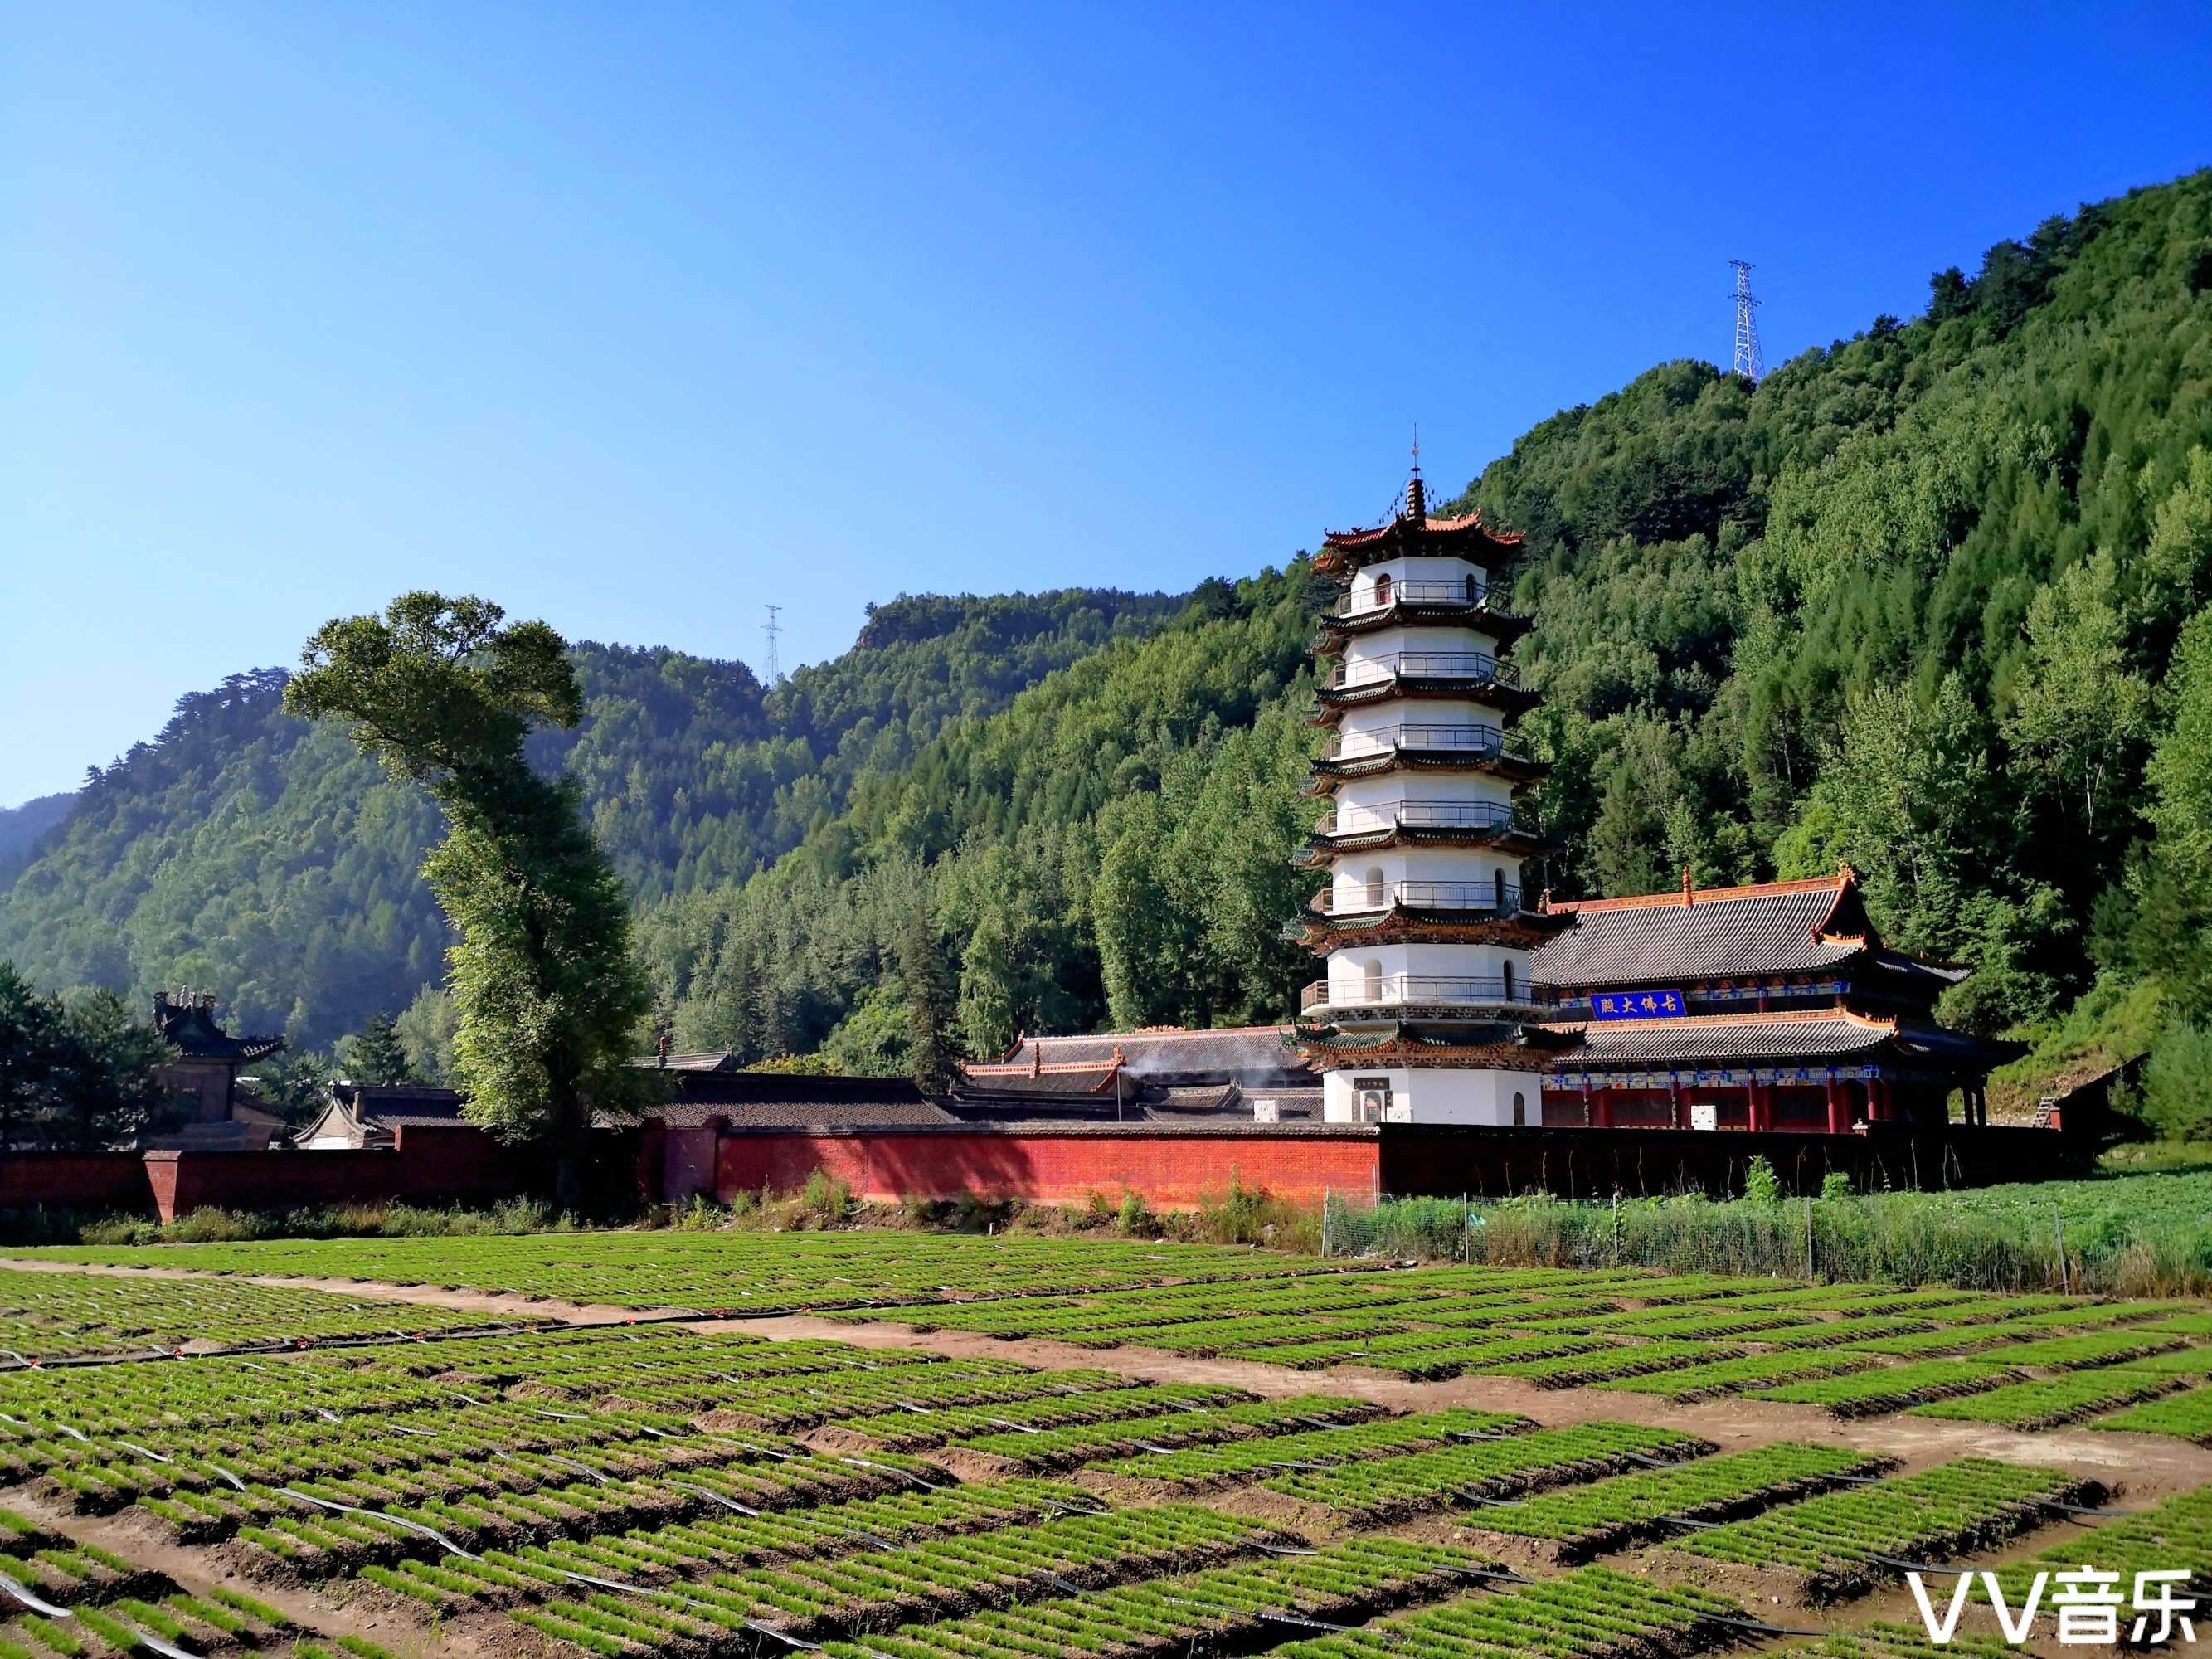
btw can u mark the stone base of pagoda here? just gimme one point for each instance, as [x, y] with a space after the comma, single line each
[1407, 1093]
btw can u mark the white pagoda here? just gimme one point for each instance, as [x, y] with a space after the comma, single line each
[1423, 925]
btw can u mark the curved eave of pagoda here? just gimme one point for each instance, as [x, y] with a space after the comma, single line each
[1510, 702]
[1347, 551]
[1321, 845]
[1504, 626]
[1492, 1045]
[1502, 763]
[1520, 930]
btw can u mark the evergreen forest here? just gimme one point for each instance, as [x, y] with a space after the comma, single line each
[1936, 600]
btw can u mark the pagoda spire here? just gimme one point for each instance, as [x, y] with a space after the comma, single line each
[1417, 497]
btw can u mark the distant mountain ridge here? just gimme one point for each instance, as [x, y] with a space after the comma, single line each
[244, 851]
[22, 827]
[1916, 601]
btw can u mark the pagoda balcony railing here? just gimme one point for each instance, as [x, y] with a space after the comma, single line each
[1422, 991]
[1470, 591]
[1350, 820]
[1361, 897]
[1477, 667]
[1470, 737]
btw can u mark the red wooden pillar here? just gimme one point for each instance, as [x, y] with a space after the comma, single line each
[1604, 1108]
[1678, 1106]
[1839, 1122]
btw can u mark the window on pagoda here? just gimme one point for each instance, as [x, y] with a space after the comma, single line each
[1381, 590]
[1505, 979]
[1519, 1109]
[1474, 590]
[1372, 979]
[1498, 890]
[1375, 890]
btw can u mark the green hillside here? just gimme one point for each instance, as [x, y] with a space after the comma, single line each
[1911, 602]
[244, 851]
[1931, 599]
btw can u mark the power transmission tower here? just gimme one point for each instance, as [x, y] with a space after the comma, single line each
[1746, 326]
[773, 630]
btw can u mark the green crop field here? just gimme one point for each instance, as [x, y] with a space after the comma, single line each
[1253, 1453]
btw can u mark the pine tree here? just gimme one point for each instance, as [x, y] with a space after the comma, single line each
[375, 1053]
[930, 1002]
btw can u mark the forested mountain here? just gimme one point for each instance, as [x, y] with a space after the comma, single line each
[23, 828]
[245, 850]
[1931, 599]
[1911, 602]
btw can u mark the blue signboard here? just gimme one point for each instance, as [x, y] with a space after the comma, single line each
[1636, 1005]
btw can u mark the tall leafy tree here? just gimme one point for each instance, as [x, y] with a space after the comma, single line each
[443, 692]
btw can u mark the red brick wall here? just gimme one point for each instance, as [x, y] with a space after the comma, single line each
[91, 1181]
[1173, 1169]
[430, 1165]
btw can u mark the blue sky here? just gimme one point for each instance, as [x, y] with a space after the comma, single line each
[636, 318]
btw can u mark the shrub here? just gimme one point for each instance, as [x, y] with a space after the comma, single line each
[824, 1199]
[1760, 1184]
[1836, 1184]
[1133, 1217]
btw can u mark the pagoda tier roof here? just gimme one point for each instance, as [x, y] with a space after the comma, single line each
[187, 1024]
[1726, 933]
[1412, 924]
[1323, 844]
[1504, 626]
[1494, 763]
[1414, 535]
[1821, 1033]
[1489, 691]
[1423, 1044]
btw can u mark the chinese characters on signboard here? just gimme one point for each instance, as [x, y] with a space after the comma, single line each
[1636, 1005]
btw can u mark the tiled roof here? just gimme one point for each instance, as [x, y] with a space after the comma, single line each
[190, 1027]
[888, 1114]
[389, 1105]
[1821, 1033]
[1233, 1053]
[1781, 927]
[711, 1059]
[1727, 1037]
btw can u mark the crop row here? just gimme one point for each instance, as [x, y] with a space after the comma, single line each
[1839, 1542]
[2188, 1416]
[1222, 1609]
[2049, 1401]
[1582, 1520]
[1066, 1447]
[1868, 1394]
[1205, 1466]
[71, 1599]
[1590, 1613]
[1734, 1375]
[1493, 1468]
[811, 1600]
[717, 1272]
[2175, 1536]
[47, 1316]
[915, 1426]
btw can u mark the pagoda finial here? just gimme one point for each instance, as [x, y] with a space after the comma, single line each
[1417, 500]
